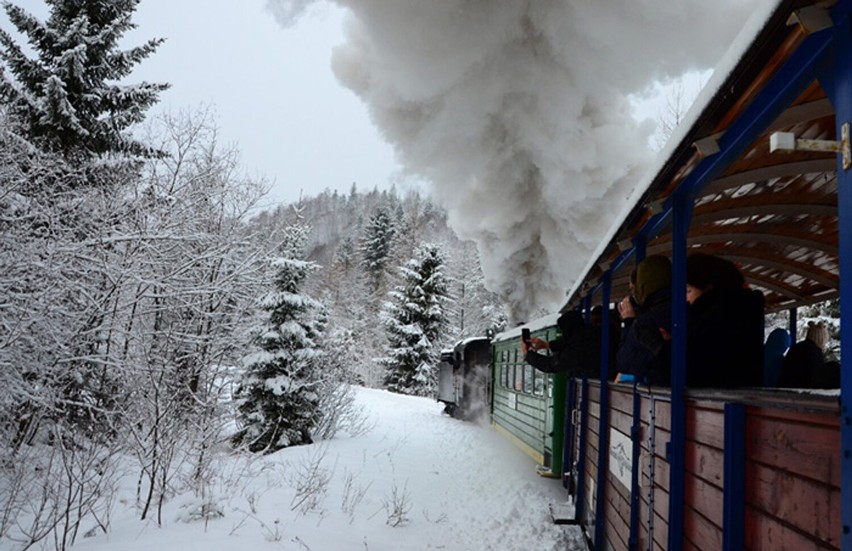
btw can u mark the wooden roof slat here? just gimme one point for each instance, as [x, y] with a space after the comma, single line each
[769, 260]
[802, 112]
[781, 170]
[731, 212]
[748, 233]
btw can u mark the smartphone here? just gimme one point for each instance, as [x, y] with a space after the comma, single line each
[525, 335]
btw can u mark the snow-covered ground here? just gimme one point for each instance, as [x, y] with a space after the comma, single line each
[417, 480]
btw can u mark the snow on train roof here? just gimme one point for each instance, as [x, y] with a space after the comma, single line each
[534, 325]
[739, 47]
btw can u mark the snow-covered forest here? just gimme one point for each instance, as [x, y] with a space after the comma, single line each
[154, 315]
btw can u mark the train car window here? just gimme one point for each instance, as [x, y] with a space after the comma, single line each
[529, 379]
[538, 383]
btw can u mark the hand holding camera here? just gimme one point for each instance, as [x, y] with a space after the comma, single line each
[531, 343]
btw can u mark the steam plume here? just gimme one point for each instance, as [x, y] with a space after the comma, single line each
[518, 113]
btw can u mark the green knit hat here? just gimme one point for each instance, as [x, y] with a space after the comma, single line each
[652, 274]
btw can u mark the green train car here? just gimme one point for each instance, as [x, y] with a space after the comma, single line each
[528, 406]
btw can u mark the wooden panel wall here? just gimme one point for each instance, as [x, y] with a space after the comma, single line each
[618, 495]
[793, 480]
[703, 479]
[591, 464]
[792, 493]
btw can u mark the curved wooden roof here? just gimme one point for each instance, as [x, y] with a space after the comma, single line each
[772, 213]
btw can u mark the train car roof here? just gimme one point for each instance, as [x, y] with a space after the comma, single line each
[534, 325]
[773, 214]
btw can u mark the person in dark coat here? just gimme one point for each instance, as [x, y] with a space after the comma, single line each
[724, 326]
[776, 346]
[644, 353]
[804, 361]
[576, 352]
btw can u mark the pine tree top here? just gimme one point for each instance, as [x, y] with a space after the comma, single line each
[67, 98]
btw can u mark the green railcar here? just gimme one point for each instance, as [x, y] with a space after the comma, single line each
[528, 406]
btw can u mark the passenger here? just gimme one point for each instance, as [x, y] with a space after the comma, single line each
[577, 353]
[773, 355]
[569, 323]
[724, 341]
[827, 375]
[644, 353]
[804, 361]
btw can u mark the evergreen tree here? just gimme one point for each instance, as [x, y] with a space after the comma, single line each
[278, 399]
[379, 236]
[474, 310]
[414, 322]
[67, 99]
[345, 254]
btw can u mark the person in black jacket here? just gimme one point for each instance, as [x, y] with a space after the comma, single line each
[576, 352]
[776, 346]
[804, 361]
[724, 327]
[644, 353]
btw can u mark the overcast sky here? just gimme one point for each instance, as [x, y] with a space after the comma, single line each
[272, 90]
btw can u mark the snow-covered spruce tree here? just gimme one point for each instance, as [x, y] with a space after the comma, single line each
[474, 309]
[379, 234]
[278, 397]
[414, 320]
[67, 98]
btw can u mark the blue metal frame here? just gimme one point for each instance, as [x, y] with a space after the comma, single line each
[812, 58]
[603, 433]
[784, 87]
[681, 217]
[841, 97]
[733, 513]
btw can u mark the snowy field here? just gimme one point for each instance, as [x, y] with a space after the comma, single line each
[417, 480]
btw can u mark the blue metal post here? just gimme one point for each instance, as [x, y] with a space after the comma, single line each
[842, 99]
[603, 431]
[640, 244]
[733, 514]
[681, 215]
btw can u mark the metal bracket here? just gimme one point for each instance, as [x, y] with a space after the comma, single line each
[811, 19]
[787, 141]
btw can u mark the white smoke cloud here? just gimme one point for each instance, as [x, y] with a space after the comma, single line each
[518, 113]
